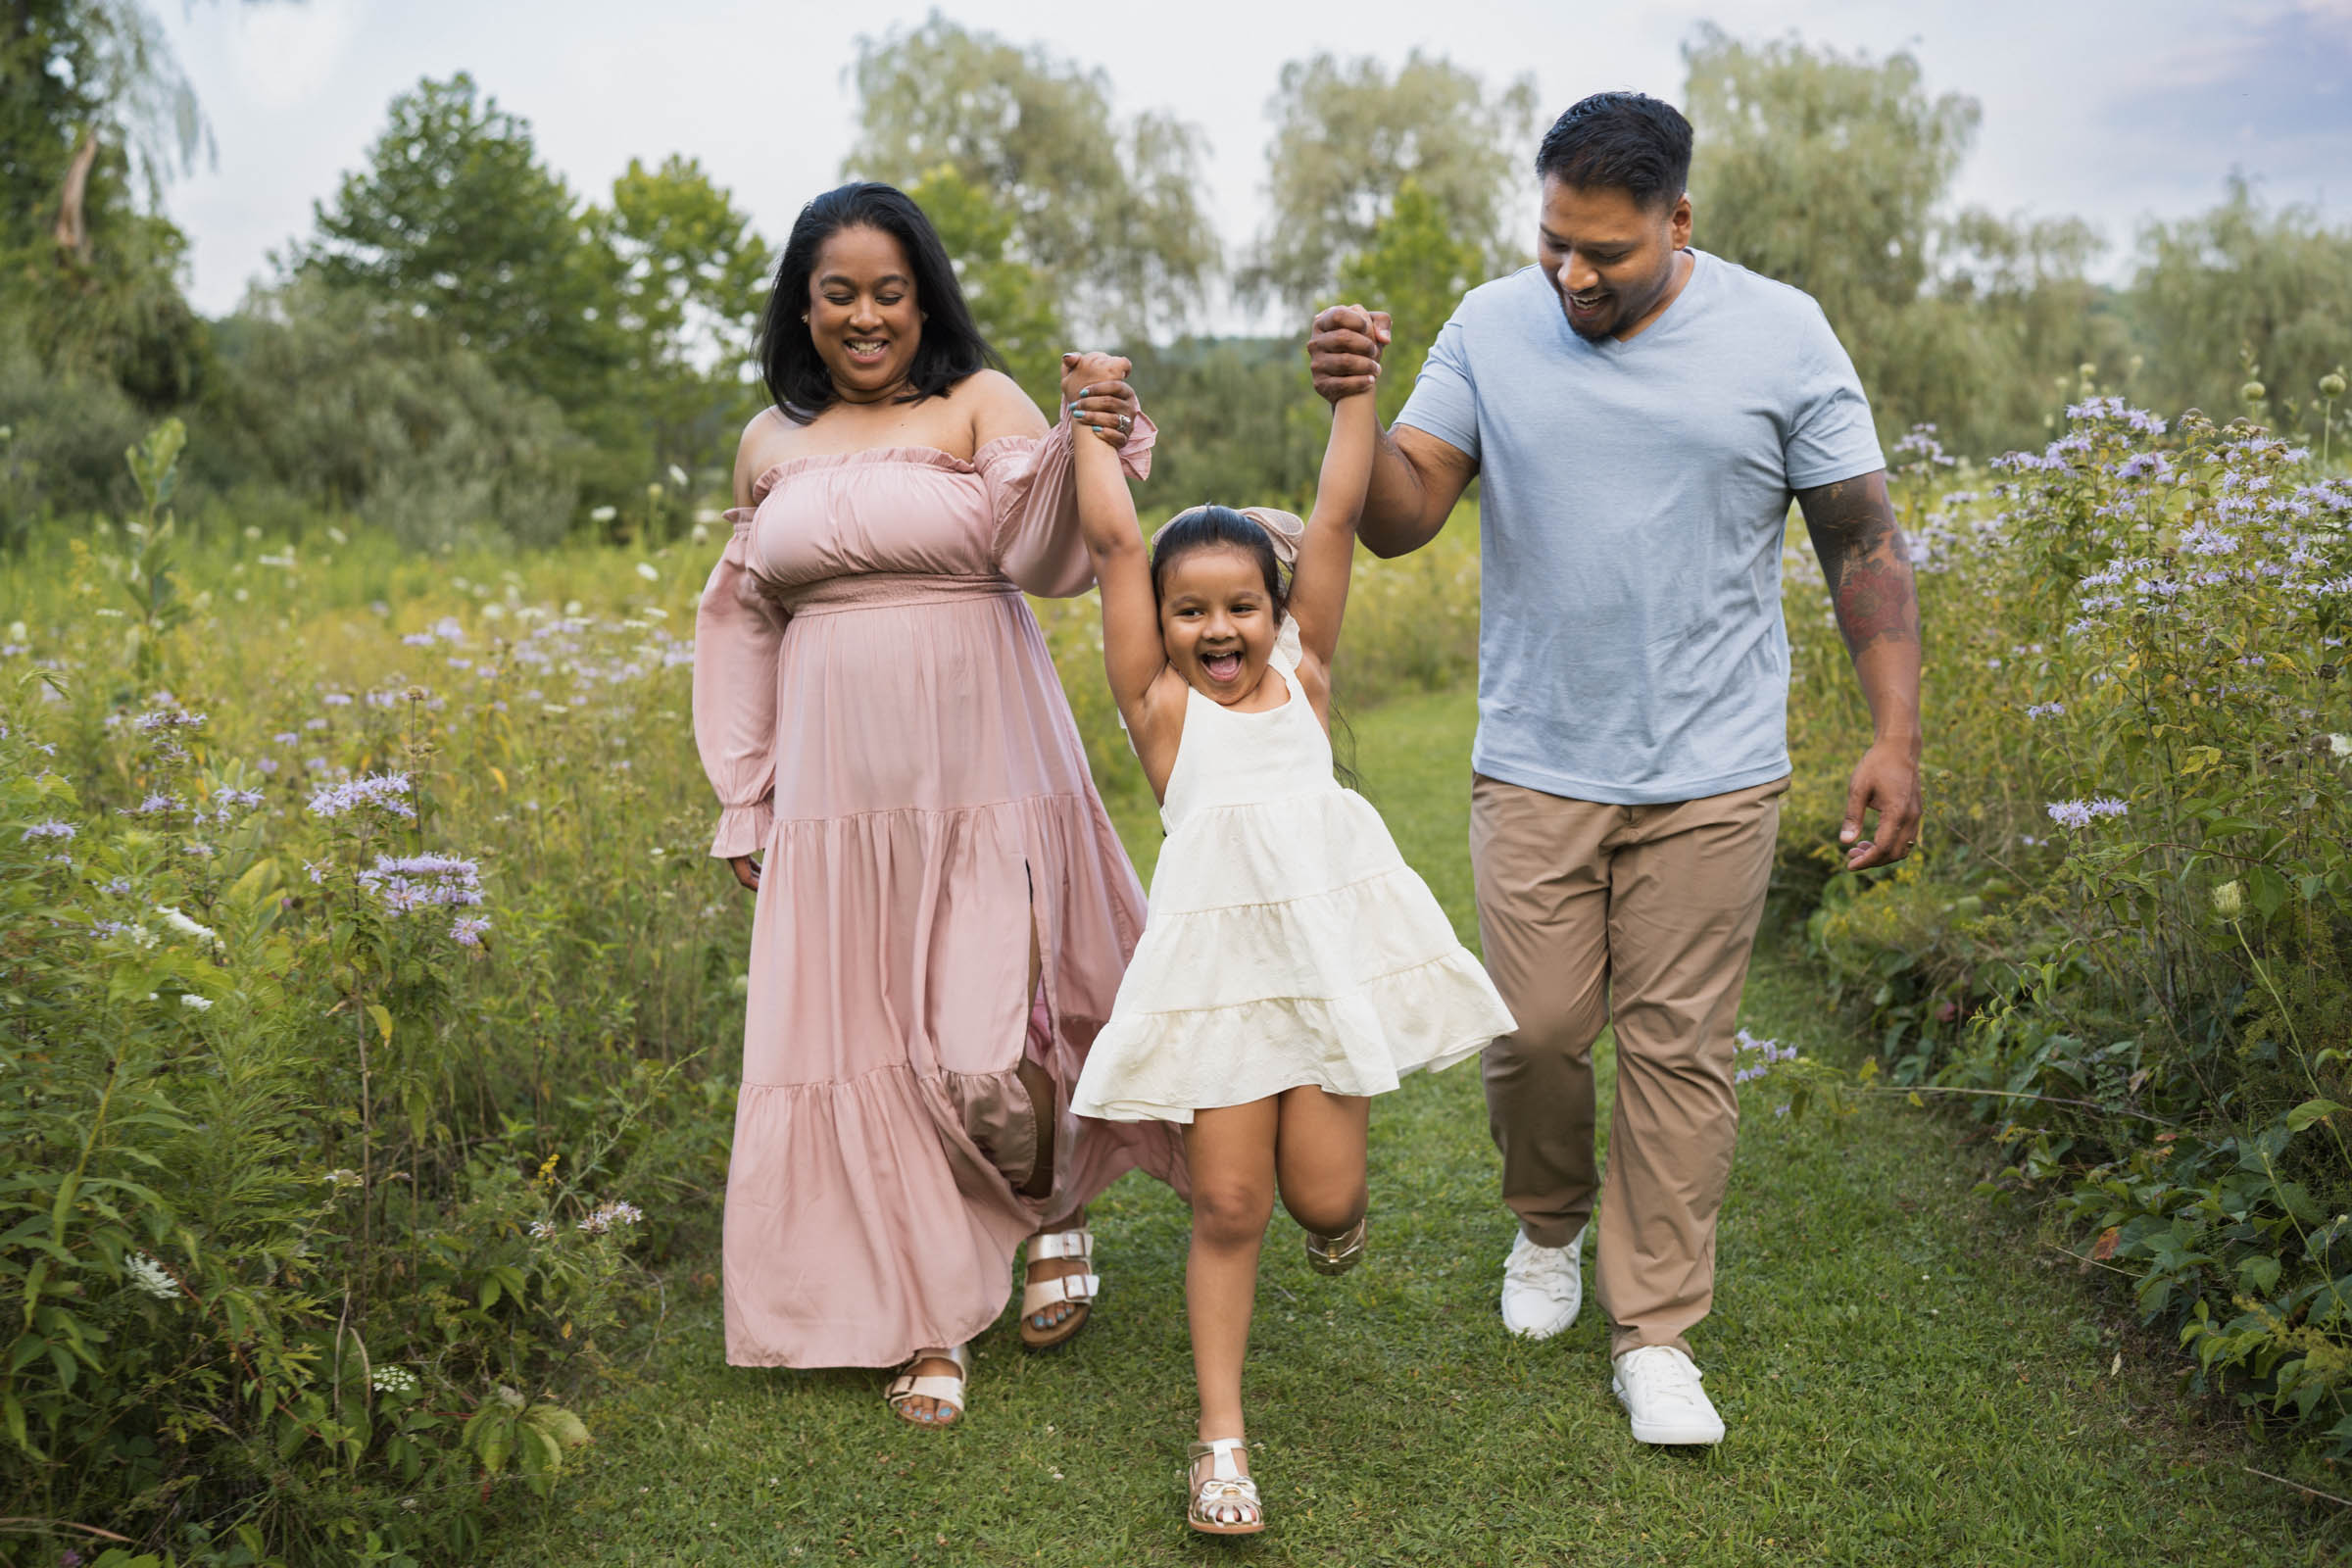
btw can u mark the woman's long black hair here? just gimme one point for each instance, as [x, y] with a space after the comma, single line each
[952, 347]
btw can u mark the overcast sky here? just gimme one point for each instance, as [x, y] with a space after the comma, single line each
[2112, 111]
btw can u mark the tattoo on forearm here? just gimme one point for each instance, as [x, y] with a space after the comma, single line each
[1867, 564]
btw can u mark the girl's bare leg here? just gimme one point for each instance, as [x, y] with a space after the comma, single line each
[1231, 1153]
[1319, 1157]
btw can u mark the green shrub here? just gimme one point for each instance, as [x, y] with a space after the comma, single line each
[2122, 946]
[323, 1203]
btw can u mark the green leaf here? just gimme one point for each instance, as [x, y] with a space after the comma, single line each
[256, 883]
[2308, 1112]
[568, 1430]
[497, 1440]
[383, 1019]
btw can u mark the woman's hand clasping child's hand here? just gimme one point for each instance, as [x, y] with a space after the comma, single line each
[1094, 389]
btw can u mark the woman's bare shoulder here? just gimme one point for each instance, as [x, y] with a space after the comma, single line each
[766, 440]
[998, 406]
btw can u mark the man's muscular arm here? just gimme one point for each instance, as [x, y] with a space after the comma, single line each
[1868, 565]
[1416, 479]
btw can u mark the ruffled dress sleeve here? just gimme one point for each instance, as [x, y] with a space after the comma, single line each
[1032, 487]
[737, 631]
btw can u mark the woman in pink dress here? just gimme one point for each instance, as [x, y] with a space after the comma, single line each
[941, 909]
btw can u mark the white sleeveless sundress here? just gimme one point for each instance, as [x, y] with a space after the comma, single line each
[1287, 943]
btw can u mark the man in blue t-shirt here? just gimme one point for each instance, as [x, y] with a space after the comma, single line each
[1639, 415]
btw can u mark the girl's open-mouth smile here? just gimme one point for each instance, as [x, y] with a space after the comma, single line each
[1222, 668]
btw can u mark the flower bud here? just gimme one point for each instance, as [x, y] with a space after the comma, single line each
[2230, 899]
[2253, 392]
[2332, 386]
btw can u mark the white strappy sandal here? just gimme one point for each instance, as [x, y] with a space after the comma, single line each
[938, 1387]
[1226, 1503]
[1080, 1288]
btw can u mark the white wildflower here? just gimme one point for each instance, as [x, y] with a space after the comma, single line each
[147, 1275]
[189, 998]
[646, 570]
[2339, 746]
[2230, 899]
[392, 1380]
[182, 925]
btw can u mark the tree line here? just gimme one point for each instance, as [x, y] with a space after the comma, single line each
[464, 346]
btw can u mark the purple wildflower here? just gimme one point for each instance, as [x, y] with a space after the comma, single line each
[605, 1216]
[384, 791]
[50, 829]
[420, 881]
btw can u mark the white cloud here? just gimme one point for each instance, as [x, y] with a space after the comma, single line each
[284, 55]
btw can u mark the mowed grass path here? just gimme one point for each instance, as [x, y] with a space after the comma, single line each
[1906, 1379]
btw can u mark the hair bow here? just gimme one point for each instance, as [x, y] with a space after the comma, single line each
[1283, 529]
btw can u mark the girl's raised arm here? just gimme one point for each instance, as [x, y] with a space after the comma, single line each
[1133, 654]
[1319, 586]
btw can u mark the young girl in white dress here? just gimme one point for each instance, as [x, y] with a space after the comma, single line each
[1291, 964]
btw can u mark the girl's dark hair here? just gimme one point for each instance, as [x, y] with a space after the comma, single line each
[952, 347]
[1209, 528]
[1623, 141]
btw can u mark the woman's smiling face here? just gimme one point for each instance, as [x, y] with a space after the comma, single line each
[1217, 621]
[862, 313]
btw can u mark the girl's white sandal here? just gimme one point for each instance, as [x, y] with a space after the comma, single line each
[1226, 1503]
[1037, 1295]
[938, 1388]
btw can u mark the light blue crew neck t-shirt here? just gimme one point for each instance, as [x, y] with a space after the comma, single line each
[1634, 500]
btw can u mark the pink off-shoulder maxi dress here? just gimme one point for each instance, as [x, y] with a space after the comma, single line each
[877, 710]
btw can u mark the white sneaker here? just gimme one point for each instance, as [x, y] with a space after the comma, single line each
[1542, 1286]
[1659, 1388]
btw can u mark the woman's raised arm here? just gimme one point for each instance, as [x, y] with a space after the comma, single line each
[1032, 484]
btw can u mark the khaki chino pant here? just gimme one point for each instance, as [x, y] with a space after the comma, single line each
[1647, 914]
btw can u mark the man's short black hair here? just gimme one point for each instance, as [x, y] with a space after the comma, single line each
[1624, 142]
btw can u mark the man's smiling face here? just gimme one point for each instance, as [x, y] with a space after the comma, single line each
[1610, 258]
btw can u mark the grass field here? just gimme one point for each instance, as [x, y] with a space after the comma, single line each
[1907, 1378]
